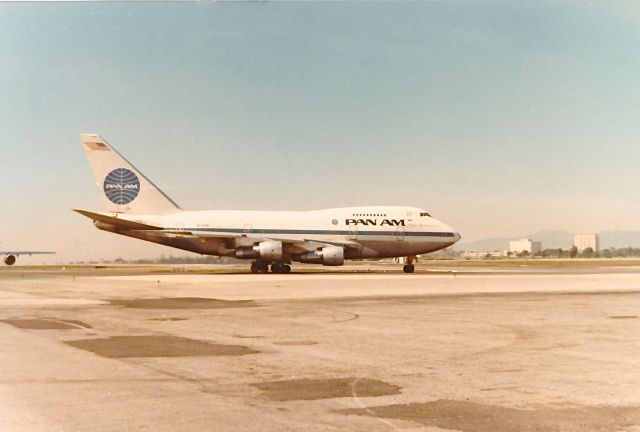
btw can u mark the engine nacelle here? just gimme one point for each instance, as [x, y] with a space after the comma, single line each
[269, 250]
[329, 256]
[246, 253]
[10, 259]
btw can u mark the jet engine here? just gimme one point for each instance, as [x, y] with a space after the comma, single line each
[269, 250]
[10, 259]
[328, 255]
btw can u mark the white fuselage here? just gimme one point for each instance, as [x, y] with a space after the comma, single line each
[367, 232]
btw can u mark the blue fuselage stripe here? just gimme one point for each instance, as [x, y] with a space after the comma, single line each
[241, 231]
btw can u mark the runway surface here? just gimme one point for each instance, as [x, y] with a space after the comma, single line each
[458, 349]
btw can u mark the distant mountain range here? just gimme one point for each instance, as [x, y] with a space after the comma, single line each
[555, 240]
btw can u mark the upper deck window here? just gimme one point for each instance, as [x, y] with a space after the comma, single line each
[369, 214]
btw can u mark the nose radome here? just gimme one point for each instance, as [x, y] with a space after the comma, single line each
[456, 234]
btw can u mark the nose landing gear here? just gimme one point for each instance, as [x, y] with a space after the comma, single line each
[408, 266]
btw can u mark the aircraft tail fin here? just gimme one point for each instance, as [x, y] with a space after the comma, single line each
[123, 188]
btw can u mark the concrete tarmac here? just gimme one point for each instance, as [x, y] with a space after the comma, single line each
[499, 350]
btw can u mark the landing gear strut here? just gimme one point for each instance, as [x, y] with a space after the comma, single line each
[408, 267]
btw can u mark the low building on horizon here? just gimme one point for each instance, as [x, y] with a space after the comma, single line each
[525, 245]
[484, 254]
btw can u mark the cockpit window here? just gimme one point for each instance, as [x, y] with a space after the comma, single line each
[425, 214]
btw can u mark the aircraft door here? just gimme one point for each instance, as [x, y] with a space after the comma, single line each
[353, 232]
[399, 232]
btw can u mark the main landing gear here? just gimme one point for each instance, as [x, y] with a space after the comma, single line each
[280, 268]
[259, 267]
[263, 267]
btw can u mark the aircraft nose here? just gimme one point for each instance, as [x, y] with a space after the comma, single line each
[456, 235]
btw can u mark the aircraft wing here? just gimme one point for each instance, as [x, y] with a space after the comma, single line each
[257, 237]
[157, 231]
[214, 235]
[184, 233]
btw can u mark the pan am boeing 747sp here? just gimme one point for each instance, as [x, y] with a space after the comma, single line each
[138, 208]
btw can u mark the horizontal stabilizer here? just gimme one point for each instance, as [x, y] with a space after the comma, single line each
[122, 223]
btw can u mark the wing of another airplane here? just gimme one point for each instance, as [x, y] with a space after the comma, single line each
[18, 252]
[11, 256]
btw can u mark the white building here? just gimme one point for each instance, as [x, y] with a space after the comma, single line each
[583, 241]
[528, 245]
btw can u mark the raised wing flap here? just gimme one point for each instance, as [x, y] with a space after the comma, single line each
[343, 243]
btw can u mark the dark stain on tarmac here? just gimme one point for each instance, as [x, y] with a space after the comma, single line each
[167, 319]
[623, 316]
[46, 324]
[474, 417]
[181, 303]
[311, 389]
[157, 346]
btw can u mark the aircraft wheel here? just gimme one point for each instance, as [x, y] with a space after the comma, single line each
[408, 268]
[276, 268]
[286, 268]
[259, 267]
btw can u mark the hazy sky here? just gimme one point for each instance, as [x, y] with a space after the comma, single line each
[499, 118]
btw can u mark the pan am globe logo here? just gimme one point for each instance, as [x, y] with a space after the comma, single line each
[121, 186]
